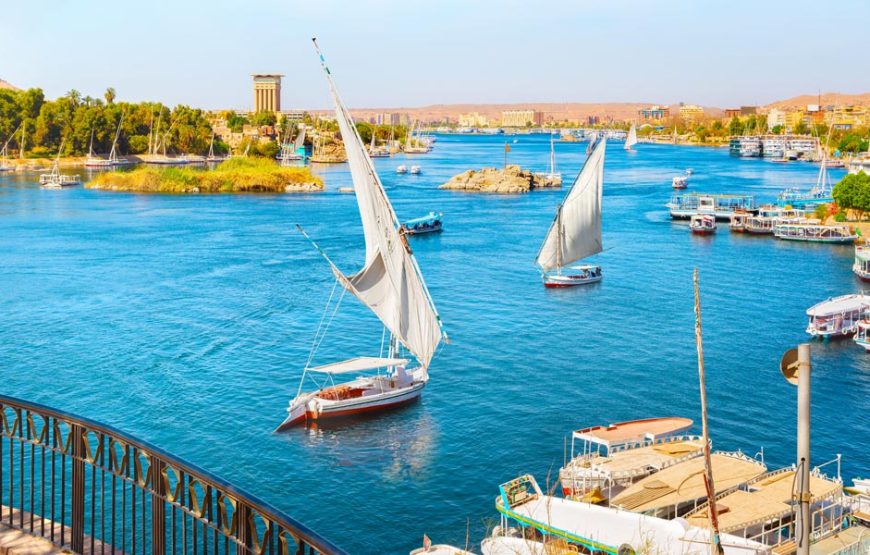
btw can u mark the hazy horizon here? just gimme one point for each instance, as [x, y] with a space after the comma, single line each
[392, 54]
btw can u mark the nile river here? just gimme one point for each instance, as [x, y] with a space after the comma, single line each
[186, 320]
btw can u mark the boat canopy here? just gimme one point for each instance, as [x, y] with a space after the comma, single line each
[358, 364]
[429, 218]
[839, 305]
[634, 431]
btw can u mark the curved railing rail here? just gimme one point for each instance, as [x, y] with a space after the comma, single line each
[91, 488]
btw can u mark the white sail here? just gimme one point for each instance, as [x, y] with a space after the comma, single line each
[576, 230]
[631, 139]
[390, 283]
[300, 140]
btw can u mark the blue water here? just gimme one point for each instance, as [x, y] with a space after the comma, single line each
[185, 320]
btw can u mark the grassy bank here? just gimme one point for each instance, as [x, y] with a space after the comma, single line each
[237, 175]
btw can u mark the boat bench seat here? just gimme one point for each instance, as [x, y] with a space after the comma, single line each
[340, 392]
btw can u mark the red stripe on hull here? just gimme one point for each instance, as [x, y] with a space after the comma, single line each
[863, 278]
[362, 410]
[558, 285]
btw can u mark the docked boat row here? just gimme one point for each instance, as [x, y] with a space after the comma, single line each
[776, 147]
[640, 486]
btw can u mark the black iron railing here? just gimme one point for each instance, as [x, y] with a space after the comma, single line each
[90, 488]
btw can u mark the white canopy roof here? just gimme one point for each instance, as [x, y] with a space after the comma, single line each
[839, 305]
[357, 364]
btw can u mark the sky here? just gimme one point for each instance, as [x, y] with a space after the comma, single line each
[393, 53]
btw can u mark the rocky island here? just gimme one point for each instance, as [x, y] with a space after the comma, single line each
[511, 179]
[237, 175]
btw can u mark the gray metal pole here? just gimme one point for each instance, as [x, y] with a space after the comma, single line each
[804, 524]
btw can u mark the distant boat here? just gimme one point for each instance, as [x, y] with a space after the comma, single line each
[631, 139]
[93, 161]
[416, 170]
[575, 233]
[391, 285]
[211, 156]
[4, 155]
[375, 152]
[430, 223]
[421, 146]
[680, 182]
[861, 267]
[402, 169]
[592, 138]
[552, 176]
[56, 180]
[702, 224]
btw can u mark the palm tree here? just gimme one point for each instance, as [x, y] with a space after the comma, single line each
[110, 95]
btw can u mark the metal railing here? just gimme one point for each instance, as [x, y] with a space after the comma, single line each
[90, 488]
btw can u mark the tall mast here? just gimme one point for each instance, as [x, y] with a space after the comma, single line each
[113, 155]
[715, 544]
[21, 146]
[561, 230]
[552, 156]
[91, 144]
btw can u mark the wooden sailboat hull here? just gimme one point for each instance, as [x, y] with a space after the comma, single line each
[569, 280]
[315, 409]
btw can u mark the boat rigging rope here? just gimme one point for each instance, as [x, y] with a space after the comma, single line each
[320, 333]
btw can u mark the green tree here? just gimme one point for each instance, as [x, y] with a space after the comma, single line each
[735, 126]
[110, 95]
[853, 192]
[264, 118]
[801, 128]
[777, 130]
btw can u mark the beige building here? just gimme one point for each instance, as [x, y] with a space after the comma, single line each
[473, 119]
[691, 112]
[521, 118]
[267, 92]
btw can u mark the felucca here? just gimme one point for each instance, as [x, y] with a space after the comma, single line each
[95, 162]
[391, 286]
[576, 230]
[4, 155]
[552, 177]
[631, 139]
[54, 179]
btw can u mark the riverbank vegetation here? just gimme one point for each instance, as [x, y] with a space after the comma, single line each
[236, 175]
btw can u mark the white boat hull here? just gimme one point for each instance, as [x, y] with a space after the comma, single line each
[311, 407]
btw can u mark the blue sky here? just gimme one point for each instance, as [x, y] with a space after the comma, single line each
[391, 53]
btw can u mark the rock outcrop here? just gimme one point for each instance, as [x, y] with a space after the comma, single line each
[511, 179]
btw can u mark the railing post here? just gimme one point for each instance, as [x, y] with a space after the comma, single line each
[158, 507]
[77, 507]
[244, 530]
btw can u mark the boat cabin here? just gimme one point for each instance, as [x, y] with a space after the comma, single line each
[429, 223]
[702, 224]
[837, 316]
[815, 233]
[685, 205]
[861, 267]
[739, 221]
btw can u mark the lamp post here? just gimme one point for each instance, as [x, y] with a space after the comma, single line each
[796, 368]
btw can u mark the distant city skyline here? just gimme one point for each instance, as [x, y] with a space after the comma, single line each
[393, 54]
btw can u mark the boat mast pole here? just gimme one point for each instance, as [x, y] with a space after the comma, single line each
[715, 543]
[561, 236]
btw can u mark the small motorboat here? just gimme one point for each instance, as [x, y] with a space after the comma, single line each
[680, 182]
[739, 219]
[703, 224]
[862, 339]
[402, 169]
[416, 170]
[430, 223]
[345, 189]
[689, 171]
[576, 275]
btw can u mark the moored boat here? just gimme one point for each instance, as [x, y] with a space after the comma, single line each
[739, 220]
[430, 223]
[56, 180]
[685, 205]
[861, 266]
[837, 316]
[680, 182]
[607, 530]
[575, 233]
[763, 509]
[416, 170]
[631, 138]
[606, 459]
[391, 285]
[702, 224]
[552, 177]
[815, 233]
[862, 335]
[402, 169]
[93, 161]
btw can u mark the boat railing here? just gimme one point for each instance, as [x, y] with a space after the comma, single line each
[88, 487]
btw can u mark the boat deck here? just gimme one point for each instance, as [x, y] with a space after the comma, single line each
[763, 499]
[634, 430]
[656, 456]
[854, 539]
[684, 482]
